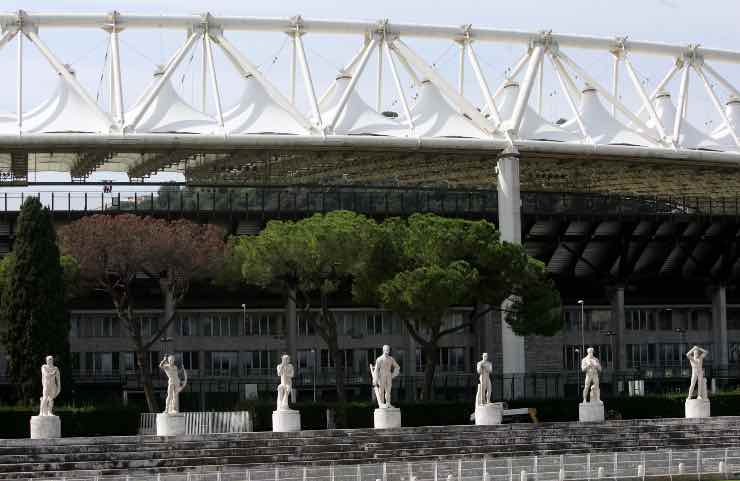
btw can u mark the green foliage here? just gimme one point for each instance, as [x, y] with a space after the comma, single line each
[32, 302]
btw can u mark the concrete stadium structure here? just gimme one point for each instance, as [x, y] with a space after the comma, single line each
[621, 140]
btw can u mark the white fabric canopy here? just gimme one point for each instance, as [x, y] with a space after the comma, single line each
[690, 137]
[357, 117]
[722, 135]
[434, 116]
[601, 127]
[169, 113]
[257, 113]
[64, 111]
[533, 126]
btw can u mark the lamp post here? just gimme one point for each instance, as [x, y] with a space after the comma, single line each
[313, 354]
[681, 332]
[244, 318]
[576, 354]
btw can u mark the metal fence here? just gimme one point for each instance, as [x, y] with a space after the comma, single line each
[299, 200]
[202, 422]
[696, 464]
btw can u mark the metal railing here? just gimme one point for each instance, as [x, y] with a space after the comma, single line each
[291, 200]
[202, 422]
[664, 464]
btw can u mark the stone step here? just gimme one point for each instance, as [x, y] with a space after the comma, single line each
[152, 454]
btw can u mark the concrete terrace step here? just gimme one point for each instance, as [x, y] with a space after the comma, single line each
[81, 457]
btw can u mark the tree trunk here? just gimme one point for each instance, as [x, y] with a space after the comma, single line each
[146, 377]
[431, 357]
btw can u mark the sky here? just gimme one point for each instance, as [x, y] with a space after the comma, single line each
[710, 23]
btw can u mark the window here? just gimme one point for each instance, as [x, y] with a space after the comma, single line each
[149, 325]
[641, 355]
[374, 323]
[222, 363]
[102, 362]
[733, 319]
[75, 326]
[453, 319]
[572, 356]
[189, 359]
[94, 326]
[701, 320]
[129, 362]
[75, 358]
[304, 359]
[452, 358]
[260, 360]
[734, 352]
[220, 325]
[305, 326]
[639, 320]
[186, 326]
[262, 324]
[327, 361]
[665, 320]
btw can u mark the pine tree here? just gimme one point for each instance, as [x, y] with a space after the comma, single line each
[32, 304]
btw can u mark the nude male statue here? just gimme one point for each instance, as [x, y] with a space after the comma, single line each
[484, 369]
[172, 404]
[696, 357]
[51, 384]
[592, 367]
[385, 369]
[285, 389]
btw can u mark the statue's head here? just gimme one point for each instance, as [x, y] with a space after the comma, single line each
[484, 356]
[386, 349]
[49, 360]
[590, 351]
[171, 359]
[286, 359]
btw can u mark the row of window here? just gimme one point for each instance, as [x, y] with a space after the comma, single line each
[234, 363]
[667, 355]
[647, 319]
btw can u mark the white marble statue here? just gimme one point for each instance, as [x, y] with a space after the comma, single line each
[51, 384]
[174, 387]
[285, 389]
[385, 369]
[591, 366]
[696, 358]
[484, 369]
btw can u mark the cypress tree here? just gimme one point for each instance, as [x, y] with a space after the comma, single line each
[32, 303]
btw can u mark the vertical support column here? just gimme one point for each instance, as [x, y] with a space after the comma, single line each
[291, 325]
[719, 327]
[616, 299]
[510, 227]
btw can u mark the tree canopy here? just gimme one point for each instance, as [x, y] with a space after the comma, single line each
[311, 259]
[112, 251]
[427, 264]
[32, 301]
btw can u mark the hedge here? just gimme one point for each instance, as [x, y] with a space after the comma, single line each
[113, 420]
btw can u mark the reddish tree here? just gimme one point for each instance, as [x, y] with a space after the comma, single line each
[112, 250]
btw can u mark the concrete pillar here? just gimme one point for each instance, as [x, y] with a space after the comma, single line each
[510, 226]
[719, 327]
[291, 325]
[616, 299]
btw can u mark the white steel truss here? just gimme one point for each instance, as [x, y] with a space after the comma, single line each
[492, 125]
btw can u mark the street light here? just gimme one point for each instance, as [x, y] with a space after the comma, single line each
[313, 354]
[576, 354]
[244, 318]
[681, 332]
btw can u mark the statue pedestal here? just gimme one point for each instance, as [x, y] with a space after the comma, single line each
[488, 414]
[170, 424]
[591, 412]
[286, 420]
[387, 418]
[697, 408]
[46, 427]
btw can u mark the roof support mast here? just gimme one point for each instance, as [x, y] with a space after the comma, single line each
[352, 82]
[483, 84]
[307, 80]
[168, 71]
[19, 80]
[716, 102]
[517, 115]
[399, 88]
[247, 68]
[116, 86]
[29, 30]
[380, 65]
[682, 100]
